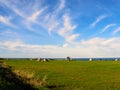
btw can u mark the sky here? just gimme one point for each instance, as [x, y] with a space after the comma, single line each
[59, 28]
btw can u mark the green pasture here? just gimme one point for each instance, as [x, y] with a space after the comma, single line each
[73, 75]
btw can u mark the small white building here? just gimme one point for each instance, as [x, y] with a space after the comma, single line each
[90, 59]
[116, 59]
[45, 60]
[31, 59]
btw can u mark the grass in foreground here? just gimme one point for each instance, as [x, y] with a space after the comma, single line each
[10, 81]
[74, 75]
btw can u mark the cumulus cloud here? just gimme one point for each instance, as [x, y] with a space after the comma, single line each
[94, 47]
[107, 27]
[98, 20]
[71, 38]
[101, 47]
[65, 45]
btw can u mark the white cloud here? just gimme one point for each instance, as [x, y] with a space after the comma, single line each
[6, 21]
[34, 18]
[101, 47]
[35, 15]
[61, 5]
[65, 45]
[116, 31]
[12, 7]
[9, 33]
[41, 17]
[67, 30]
[18, 12]
[100, 41]
[26, 17]
[107, 27]
[94, 47]
[71, 38]
[11, 45]
[98, 20]
[52, 21]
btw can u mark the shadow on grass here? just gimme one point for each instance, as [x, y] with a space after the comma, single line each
[10, 81]
[54, 87]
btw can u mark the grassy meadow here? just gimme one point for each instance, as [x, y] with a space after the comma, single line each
[73, 75]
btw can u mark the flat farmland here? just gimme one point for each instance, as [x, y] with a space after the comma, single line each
[73, 75]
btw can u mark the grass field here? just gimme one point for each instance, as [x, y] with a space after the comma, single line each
[74, 75]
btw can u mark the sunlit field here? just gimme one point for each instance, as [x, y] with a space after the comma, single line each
[73, 75]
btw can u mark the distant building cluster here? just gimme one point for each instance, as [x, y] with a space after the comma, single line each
[40, 59]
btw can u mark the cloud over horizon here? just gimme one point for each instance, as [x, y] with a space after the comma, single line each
[99, 47]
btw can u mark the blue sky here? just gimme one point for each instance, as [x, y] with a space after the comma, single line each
[59, 28]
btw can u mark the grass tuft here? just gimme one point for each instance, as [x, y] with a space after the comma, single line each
[29, 78]
[43, 81]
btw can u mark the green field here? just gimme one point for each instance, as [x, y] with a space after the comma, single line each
[74, 75]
